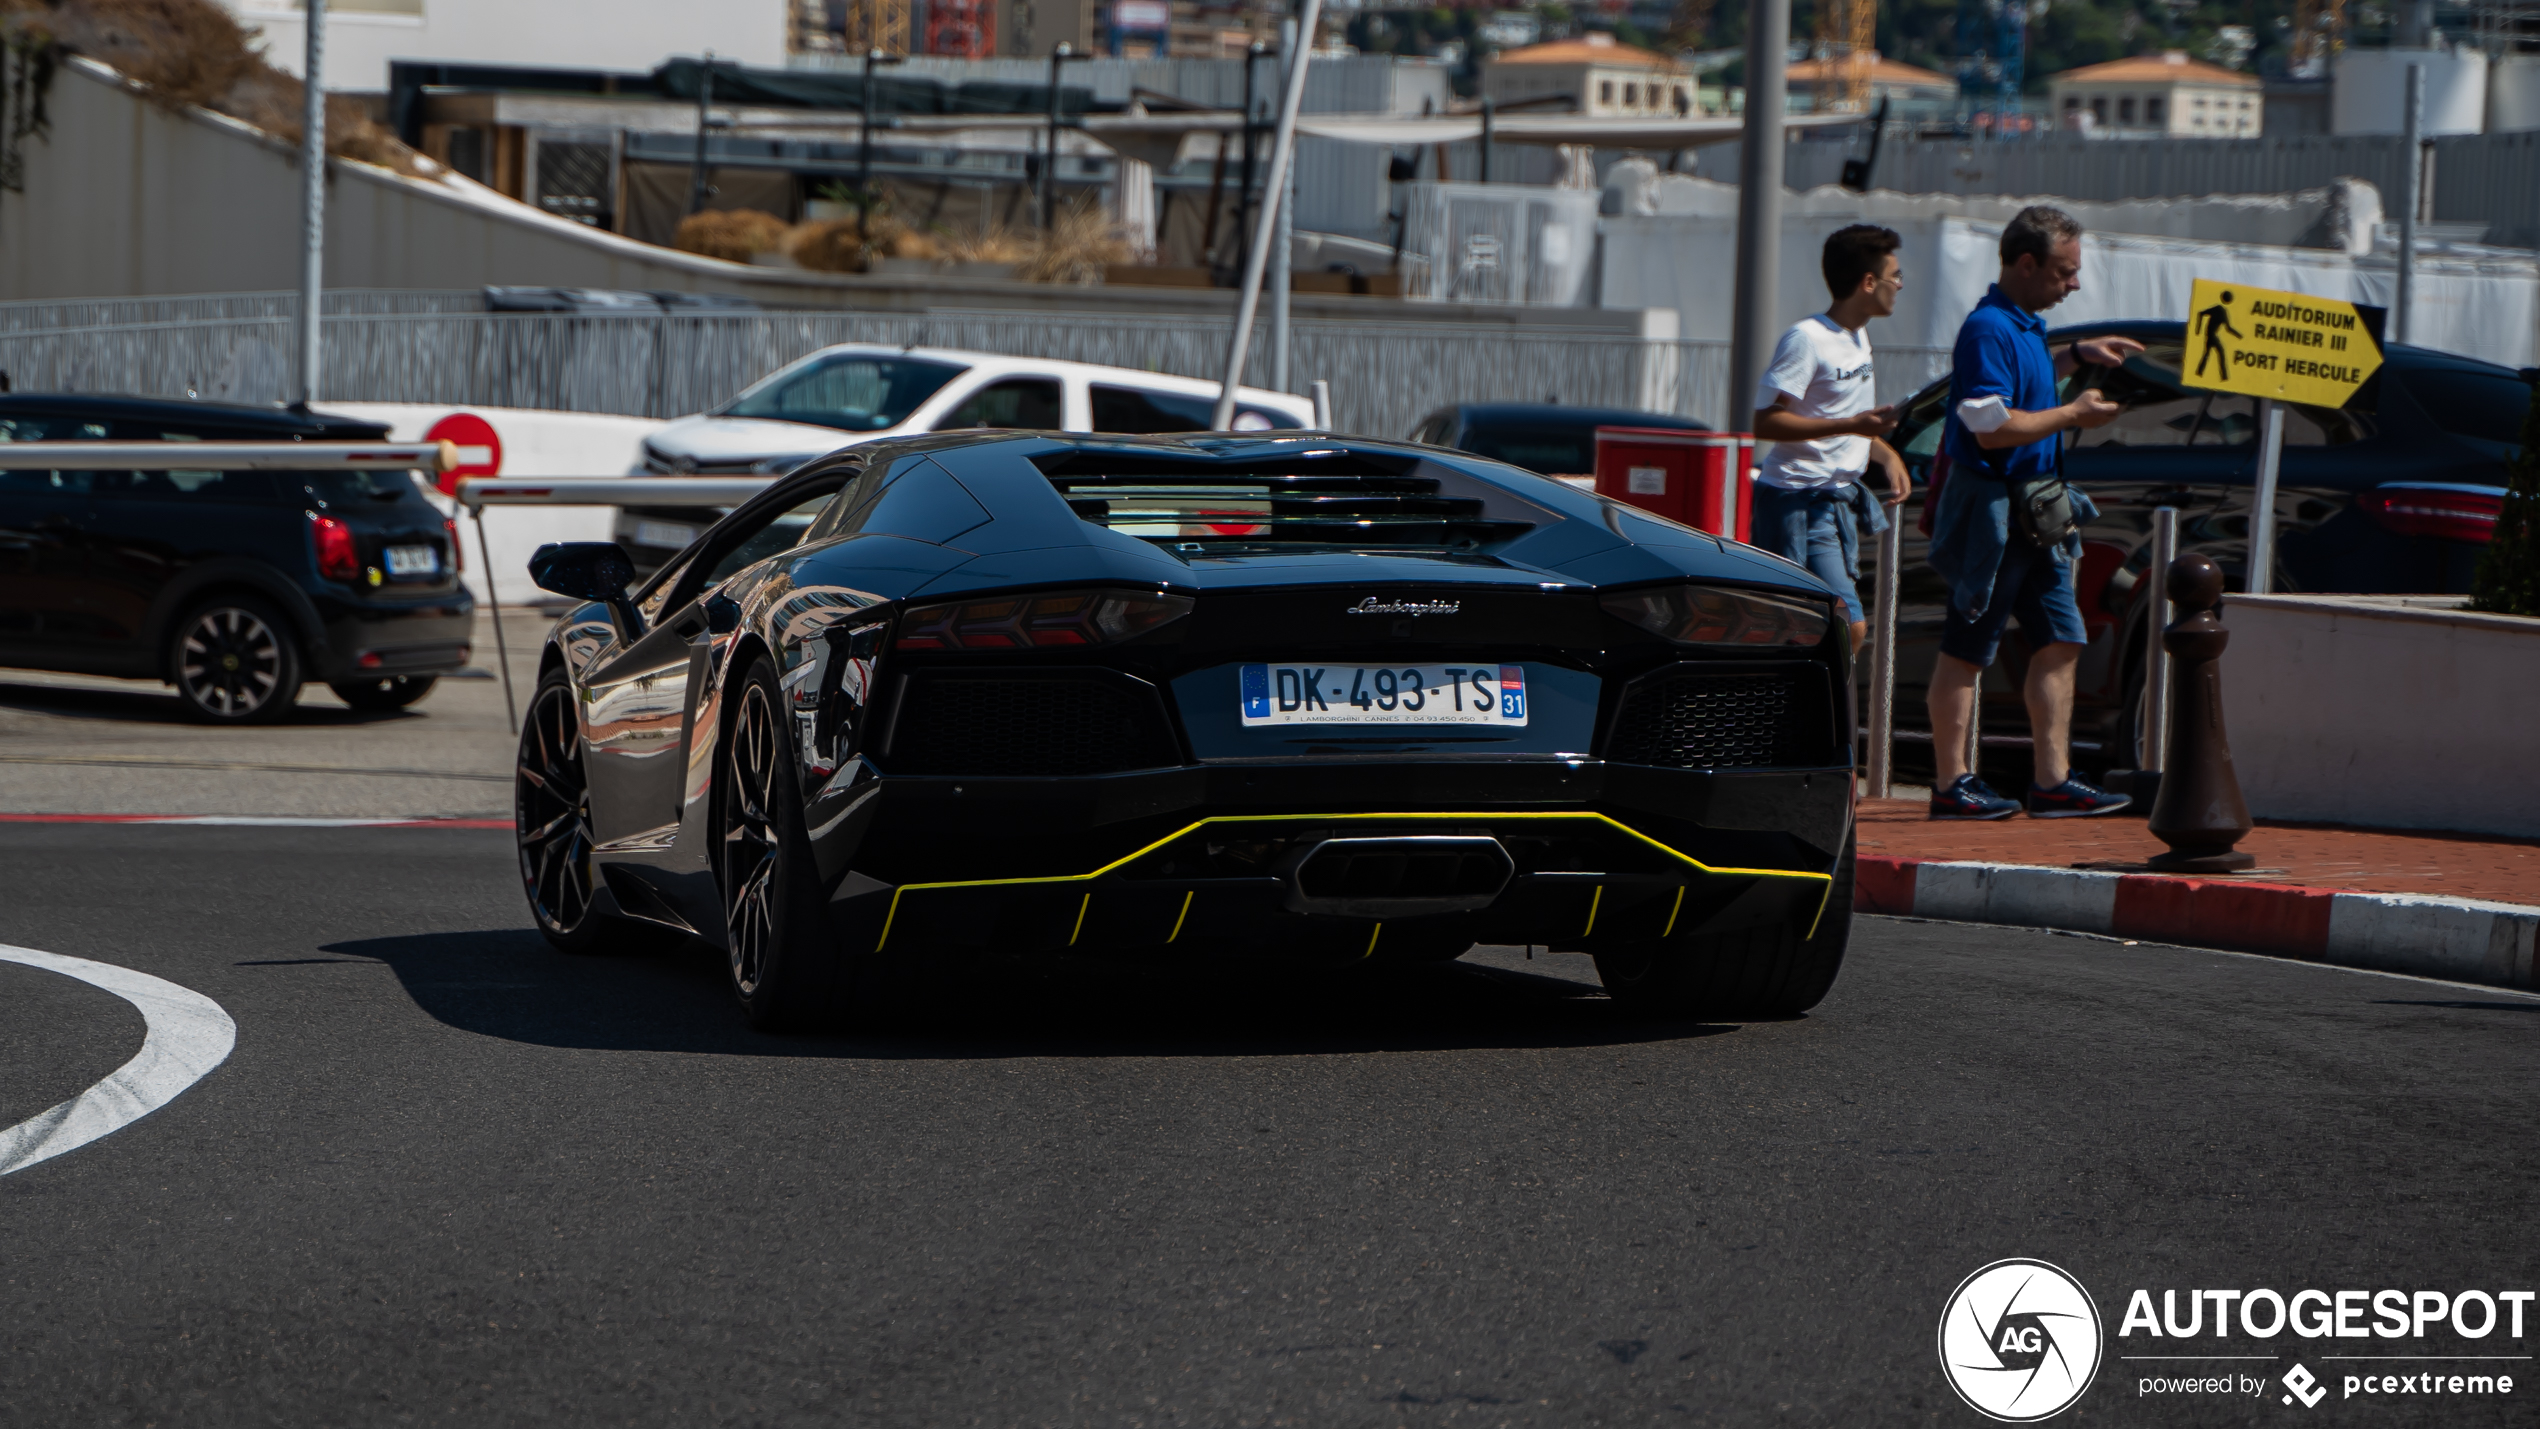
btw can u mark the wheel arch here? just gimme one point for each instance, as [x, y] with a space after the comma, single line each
[239, 576]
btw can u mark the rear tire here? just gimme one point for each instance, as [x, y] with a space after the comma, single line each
[388, 692]
[1753, 974]
[234, 660]
[787, 969]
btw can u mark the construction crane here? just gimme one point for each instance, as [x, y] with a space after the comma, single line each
[966, 29]
[864, 25]
[1993, 51]
[2319, 33]
[1847, 33]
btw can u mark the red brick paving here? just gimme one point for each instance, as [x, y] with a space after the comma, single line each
[2438, 865]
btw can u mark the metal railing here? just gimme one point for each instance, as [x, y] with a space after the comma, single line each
[1386, 376]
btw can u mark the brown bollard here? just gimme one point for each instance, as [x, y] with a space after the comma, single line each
[2199, 812]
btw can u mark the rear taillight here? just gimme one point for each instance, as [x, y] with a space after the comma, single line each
[336, 558]
[1718, 615]
[1018, 622]
[458, 553]
[2456, 513]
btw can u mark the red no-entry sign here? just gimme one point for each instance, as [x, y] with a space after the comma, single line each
[480, 450]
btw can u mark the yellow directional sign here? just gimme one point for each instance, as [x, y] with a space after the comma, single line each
[2263, 343]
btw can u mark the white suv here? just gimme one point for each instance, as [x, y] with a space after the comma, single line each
[841, 396]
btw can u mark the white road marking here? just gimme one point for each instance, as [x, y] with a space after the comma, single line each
[188, 1035]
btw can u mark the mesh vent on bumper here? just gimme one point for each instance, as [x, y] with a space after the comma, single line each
[953, 724]
[1726, 719]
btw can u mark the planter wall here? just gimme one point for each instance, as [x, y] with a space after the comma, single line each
[2390, 711]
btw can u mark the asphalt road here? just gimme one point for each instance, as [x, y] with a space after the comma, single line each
[451, 1177]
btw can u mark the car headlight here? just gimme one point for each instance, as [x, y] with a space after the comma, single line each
[1052, 619]
[1718, 615]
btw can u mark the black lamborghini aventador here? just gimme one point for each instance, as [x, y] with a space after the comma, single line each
[1194, 700]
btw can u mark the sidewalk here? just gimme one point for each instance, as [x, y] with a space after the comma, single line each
[76, 745]
[2454, 906]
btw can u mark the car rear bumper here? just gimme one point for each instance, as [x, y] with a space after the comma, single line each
[1219, 857]
[413, 638]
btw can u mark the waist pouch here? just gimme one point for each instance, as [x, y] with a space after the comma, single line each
[2041, 506]
[2042, 511]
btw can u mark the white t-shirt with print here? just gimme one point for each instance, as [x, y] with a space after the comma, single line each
[1823, 368]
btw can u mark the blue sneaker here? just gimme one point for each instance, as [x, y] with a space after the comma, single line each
[2072, 799]
[1969, 799]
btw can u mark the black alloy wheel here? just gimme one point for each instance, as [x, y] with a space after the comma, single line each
[387, 692]
[551, 818]
[784, 958]
[1752, 973]
[233, 661]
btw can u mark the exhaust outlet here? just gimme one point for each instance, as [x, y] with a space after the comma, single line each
[1405, 877]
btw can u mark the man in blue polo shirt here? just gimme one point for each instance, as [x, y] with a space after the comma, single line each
[2005, 427]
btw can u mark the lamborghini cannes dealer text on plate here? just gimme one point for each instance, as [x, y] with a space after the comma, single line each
[1384, 694]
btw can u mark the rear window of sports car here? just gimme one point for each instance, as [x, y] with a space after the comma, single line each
[1337, 499]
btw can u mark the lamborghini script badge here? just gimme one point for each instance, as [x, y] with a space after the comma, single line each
[1372, 606]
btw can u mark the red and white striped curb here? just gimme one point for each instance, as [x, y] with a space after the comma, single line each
[2462, 939]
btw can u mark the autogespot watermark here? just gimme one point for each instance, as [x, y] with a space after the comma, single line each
[2021, 1340]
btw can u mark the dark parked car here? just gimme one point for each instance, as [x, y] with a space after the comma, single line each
[1543, 437]
[235, 586]
[2395, 495]
[1301, 698]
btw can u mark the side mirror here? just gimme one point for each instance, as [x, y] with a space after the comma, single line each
[585, 570]
[590, 570]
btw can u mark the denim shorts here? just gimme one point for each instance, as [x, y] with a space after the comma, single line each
[2029, 584]
[1806, 528]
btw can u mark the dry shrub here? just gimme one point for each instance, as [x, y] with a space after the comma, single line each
[1075, 249]
[827, 245]
[998, 245]
[192, 53]
[837, 245]
[189, 52]
[735, 234]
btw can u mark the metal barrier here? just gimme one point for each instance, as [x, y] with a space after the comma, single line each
[1882, 752]
[2154, 719]
[229, 456]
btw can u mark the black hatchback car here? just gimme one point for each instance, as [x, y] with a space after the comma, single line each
[2396, 494]
[237, 587]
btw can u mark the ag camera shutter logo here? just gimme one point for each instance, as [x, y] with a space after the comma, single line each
[2020, 1341]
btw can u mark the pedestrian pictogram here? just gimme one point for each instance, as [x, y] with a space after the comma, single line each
[2210, 325]
[2286, 346]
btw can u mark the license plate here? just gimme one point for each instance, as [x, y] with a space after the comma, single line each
[413, 562]
[664, 534]
[1384, 694]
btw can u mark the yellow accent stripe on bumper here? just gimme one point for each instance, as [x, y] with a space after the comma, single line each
[1688, 860]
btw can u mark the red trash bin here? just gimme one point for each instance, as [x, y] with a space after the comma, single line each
[1697, 479]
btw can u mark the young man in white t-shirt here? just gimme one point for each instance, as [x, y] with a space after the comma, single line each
[1815, 407]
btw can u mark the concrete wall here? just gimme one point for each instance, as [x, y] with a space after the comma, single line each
[2365, 710]
[124, 198]
[575, 34]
